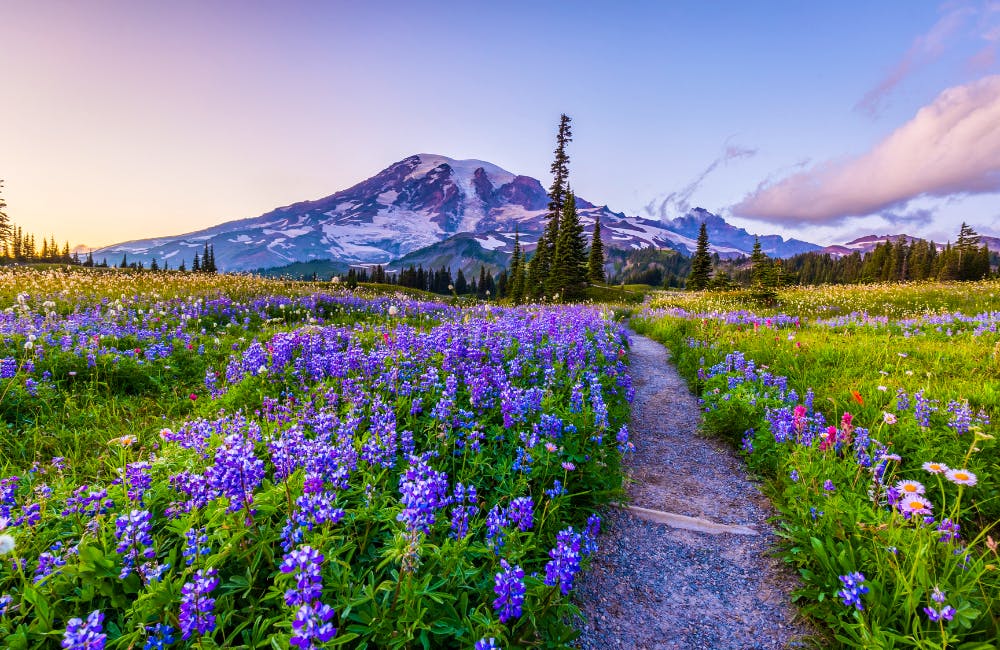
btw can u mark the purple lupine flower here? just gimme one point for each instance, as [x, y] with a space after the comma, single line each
[460, 513]
[5, 602]
[137, 480]
[556, 490]
[487, 644]
[902, 400]
[853, 589]
[950, 531]
[961, 416]
[311, 625]
[197, 608]
[590, 534]
[195, 544]
[317, 509]
[564, 564]
[946, 613]
[91, 504]
[87, 635]
[423, 490]
[306, 566]
[829, 486]
[49, 563]
[922, 409]
[236, 472]
[521, 512]
[496, 524]
[159, 636]
[134, 540]
[509, 588]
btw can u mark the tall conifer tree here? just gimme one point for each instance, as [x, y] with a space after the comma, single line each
[595, 262]
[701, 263]
[541, 264]
[568, 274]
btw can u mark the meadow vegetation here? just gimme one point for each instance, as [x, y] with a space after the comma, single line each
[868, 412]
[222, 461]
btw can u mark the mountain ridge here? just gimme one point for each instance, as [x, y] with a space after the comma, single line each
[413, 208]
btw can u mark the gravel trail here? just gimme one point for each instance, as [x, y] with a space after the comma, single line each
[658, 586]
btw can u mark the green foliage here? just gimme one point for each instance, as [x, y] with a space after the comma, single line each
[835, 519]
[701, 263]
[595, 258]
[103, 414]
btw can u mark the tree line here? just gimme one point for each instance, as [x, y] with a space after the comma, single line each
[899, 260]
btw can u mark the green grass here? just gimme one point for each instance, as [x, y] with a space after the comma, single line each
[856, 367]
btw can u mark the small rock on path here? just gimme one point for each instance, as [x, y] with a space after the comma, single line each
[653, 586]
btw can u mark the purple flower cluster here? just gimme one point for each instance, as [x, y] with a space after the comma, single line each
[195, 544]
[306, 565]
[311, 624]
[85, 635]
[853, 588]
[946, 613]
[463, 507]
[564, 564]
[509, 588]
[423, 490]
[197, 613]
[134, 540]
[236, 472]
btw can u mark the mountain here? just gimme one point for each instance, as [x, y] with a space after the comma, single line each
[738, 241]
[431, 210]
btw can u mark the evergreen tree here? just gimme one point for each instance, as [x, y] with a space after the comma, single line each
[760, 266]
[196, 265]
[540, 267]
[461, 284]
[6, 227]
[481, 285]
[595, 262]
[701, 263]
[124, 263]
[538, 270]
[568, 271]
[560, 172]
[516, 277]
[153, 266]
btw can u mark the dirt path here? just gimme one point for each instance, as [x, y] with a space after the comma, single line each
[688, 565]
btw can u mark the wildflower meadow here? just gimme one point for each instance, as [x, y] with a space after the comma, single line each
[231, 462]
[870, 416]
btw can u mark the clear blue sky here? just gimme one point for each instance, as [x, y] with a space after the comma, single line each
[121, 120]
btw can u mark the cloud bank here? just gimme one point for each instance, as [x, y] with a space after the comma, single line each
[951, 147]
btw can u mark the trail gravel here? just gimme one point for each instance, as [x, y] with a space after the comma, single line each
[656, 586]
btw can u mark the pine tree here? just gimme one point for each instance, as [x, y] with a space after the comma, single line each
[124, 264]
[595, 262]
[481, 285]
[760, 265]
[701, 263]
[196, 264]
[461, 284]
[540, 267]
[6, 227]
[538, 270]
[516, 276]
[568, 272]
[153, 266]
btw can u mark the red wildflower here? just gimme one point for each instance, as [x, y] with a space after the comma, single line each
[857, 397]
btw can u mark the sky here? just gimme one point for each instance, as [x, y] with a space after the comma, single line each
[122, 120]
